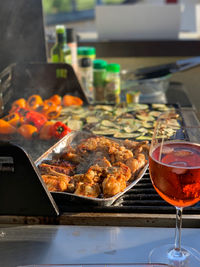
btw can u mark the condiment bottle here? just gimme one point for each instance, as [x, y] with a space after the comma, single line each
[112, 87]
[60, 52]
[99, 78]
[86, 76]
[72, 43]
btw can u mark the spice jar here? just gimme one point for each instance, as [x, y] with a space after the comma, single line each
[99, 78]
[86, 51]
[112, 87]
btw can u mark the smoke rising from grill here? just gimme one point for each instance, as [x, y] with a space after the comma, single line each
[22, 32]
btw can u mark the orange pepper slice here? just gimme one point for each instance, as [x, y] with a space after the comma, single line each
[6, 127]
[46, 131]
[56, 99]
[69, 100]
[12, 118]
[28, 131]
[53, 112]
[49, 103]
[34, 101]
[19, 103]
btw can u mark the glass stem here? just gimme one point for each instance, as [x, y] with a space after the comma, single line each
[179, 212]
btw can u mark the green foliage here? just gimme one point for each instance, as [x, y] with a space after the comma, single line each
[114, 2]
[57, 6]
[85, 4]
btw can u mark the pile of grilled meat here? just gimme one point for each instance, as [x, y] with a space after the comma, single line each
[95, 167]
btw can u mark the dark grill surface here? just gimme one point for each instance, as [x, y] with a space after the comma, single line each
[142, 198]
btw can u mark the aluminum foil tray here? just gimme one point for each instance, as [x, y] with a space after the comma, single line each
[64, 197]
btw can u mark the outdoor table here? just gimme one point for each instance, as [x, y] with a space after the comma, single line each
[42, 244]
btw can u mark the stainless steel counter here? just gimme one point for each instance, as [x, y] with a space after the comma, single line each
[83, 244]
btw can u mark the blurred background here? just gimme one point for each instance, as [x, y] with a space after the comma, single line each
[81, 15]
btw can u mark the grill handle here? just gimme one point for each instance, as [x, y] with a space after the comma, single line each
[5, 83]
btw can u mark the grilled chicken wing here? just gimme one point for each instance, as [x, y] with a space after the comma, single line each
[88, 190]
[56, 183]
[113, 185]
[48, 168]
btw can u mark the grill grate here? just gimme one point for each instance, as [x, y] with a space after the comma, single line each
[142, 198]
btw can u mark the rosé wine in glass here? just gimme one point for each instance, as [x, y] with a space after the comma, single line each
[176, 172]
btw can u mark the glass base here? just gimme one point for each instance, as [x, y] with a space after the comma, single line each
[187, 257]
[2, 234]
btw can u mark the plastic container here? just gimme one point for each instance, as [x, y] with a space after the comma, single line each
[99, 79]
[151, 90]
[113, 87]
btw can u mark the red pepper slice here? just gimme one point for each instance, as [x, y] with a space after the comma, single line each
[59, 130]
[35, 118]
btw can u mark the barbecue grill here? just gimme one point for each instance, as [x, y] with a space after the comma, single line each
[141, 205]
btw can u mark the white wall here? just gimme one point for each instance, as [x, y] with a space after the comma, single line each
[190, 13]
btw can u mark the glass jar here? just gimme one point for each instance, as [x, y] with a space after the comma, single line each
[99, 79]
[112, 86]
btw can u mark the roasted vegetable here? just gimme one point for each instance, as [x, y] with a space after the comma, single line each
[28, 131]
[13, 119]
[49, 103]
[35, 118]
[6, 127]
[42, 108]
[53, 112]
[46, 131]
[60, 129]
[34, 102]
[56, 99]
[19, 103]
[69, 100]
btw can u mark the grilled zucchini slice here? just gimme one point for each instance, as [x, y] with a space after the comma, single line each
[75, 125]
[126, 135]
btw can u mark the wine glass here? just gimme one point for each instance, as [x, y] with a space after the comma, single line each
[174, 165]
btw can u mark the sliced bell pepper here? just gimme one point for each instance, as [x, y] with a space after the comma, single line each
[69, 100]
[34, 101]
[6, 127]
[19, 103]
[49, 103]
[28, 131]
[35, 118]
[56, 99]
[53, 112]
[12, 118]
[46, 131]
